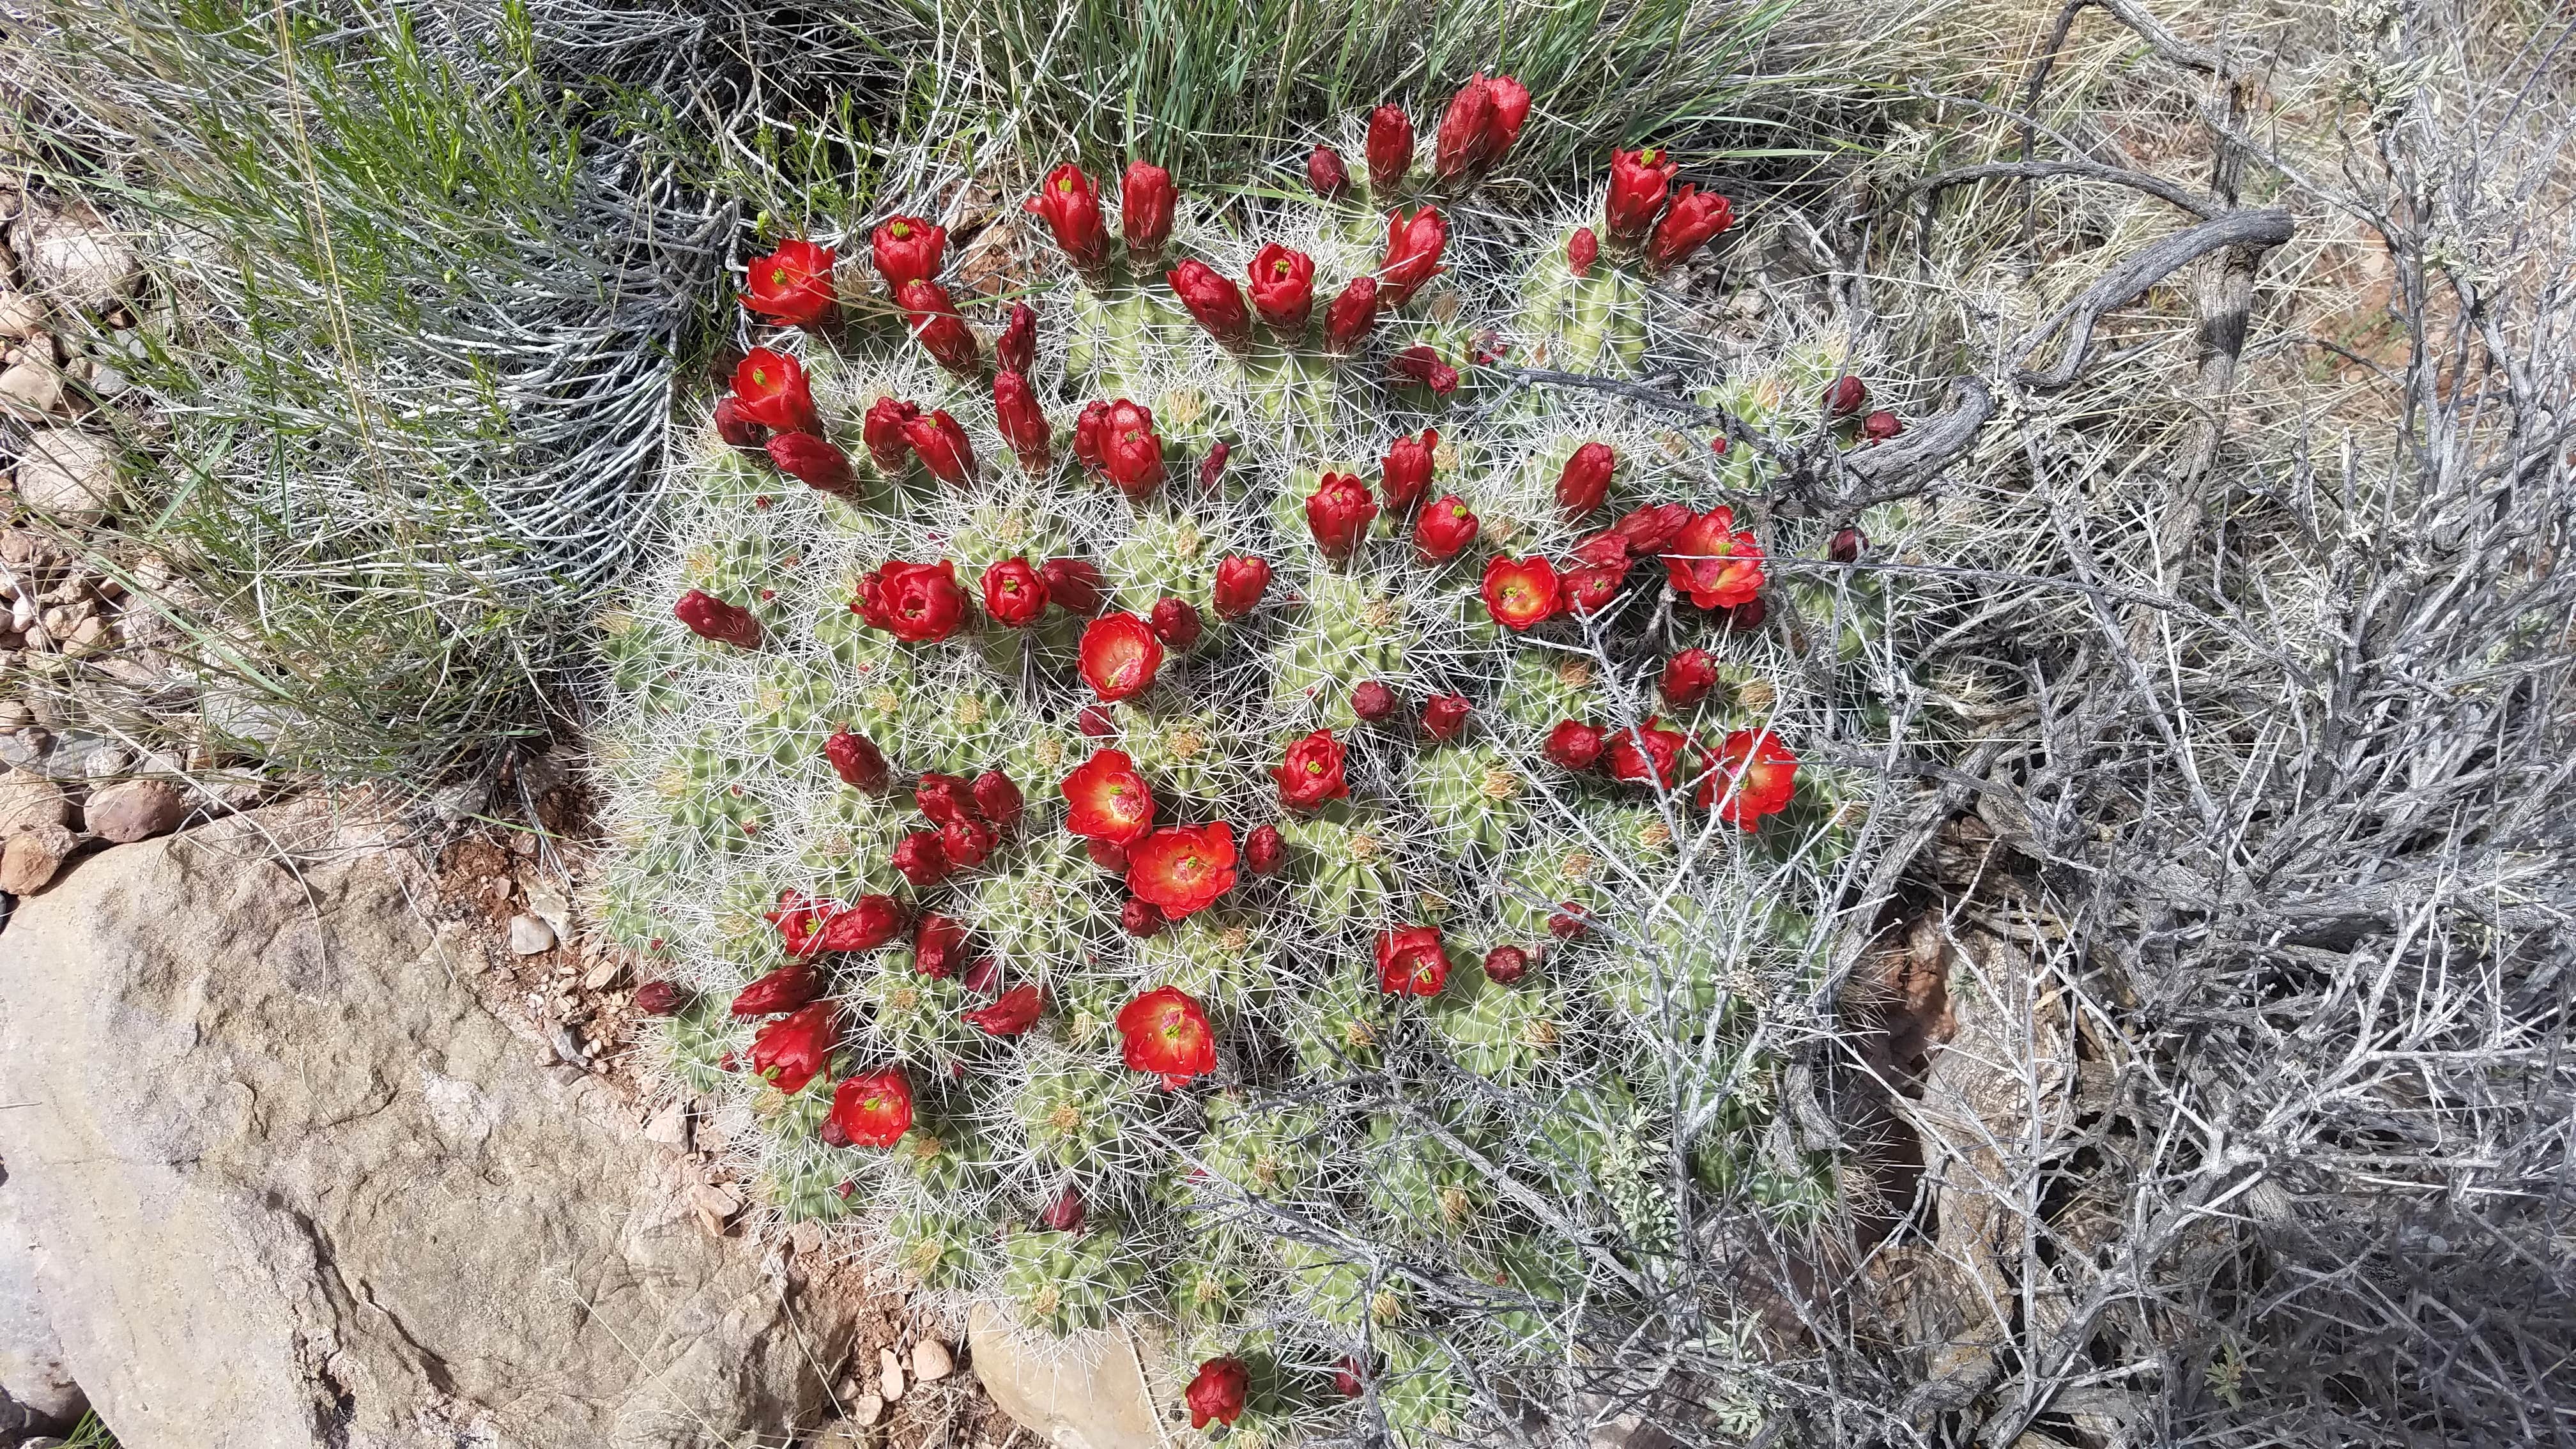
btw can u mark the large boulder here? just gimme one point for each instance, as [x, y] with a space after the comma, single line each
[289, 1184]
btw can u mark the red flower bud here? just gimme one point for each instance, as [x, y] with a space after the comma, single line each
[1016, 1011]
[942, 447]
[1638, 183]
[1349, 1377]
[883, 430]
[770, 389]
[1574, 745]
[1013, 593]
[1651, 529]
[1746, 617]
[1520, 592]
[1482, 121]
[1406, 473]
[1326, 173]
[1024, 425]
[1140, 918]
[1688, 677]
[1339, 512]
[1647, 754]
[1845, 395]
[1588, 591]
[1145, 199]
[857, 760]
[1421, 364]
[1311, 773]
[1693, 218]
[932, 318]
[792, 285]
[1212, 467]
[943, 798]
[1131, 452]
[1411, 961]
[1240, 582]
[1413, 247]
[1118, 656]
[873, 1109]
[875, 920]
[1175, 622]
[709, 617]
[937, 945]
[658, 998]
[1214, 300]
[1444, 716]
[1264, 850]
[1506, 965]
[1881, 425]
[811, 461]
[1607, 549]
[1570, 922]
[1073, 584]
[1016, 350]
[1373, 701]
[1072, 212]
[1109, 855]
[1087, 430]
[1444, 529]
[1094, 722]
[1581, 250]
[789, 988]
[1283, 289]
[922, 859]
[1352, 314]
[1586, 479]
[1390, 148]
[1847, 546]
[794, 1050]
[907, 249]
[736, 426]
[1064, 1215]
[999, 799]
[1215, 1394]
[921, 602]
[967, 843]
[982, 975]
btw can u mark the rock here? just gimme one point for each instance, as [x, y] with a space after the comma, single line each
[604, 972]
[30, 859]
[34, 1385]
[930, 1361]
[530, 936]
[889, 1375]
[866, 1409]
[68, 474]
[132, 810]
[20, 314]
[28, 749]
[670, 1126]
[29, 800]
[351, 1209]
[73, 255]
[1090, 1390]
[548, 903]
[31, 387]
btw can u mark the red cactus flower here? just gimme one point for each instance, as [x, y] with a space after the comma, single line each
[1182, 869]
[1638, 183]
[870, 603]
[1373, 701]
[937, 944]
[1760, 773]
[1216, 1392]
[1072, 212]
[1581, 250]
[659, 998]
[1326, 173]
[1214, 300]
[1881, 425]
[1212, 467]
[942, 447]
[1410, 961]
[1175, 622]
[873, 1109]
[1586, 479]
[791, 987]
[883, 430]
[1847, 545]
[1109, 799]
[1607, 549]
[1714, 562]
[1445, 529]
[1348, 320]
[1413, 247]
[709, 617]
[1141, 918]
[922, 602]
[770, 389]
[1131, 452]
[1574, 745]
[1119, 656]
[813, 462]
[1073, 584]
[1024, 423]
[999, 799]
[1406, 473]
[1421, 364]
[1390, 148]
[1444, 716]
[943, 798]
[795, 1049]
[967, 842]
[1520, 592]
[737, 427]
[1651, 529]
[907, 249]
[1482, 121]
[1339, 512]
[1241, 579]
[1264, 850]
[1166, 1032]
[1312, 772]
[922, 859]
[1693, 218]
[1647, 754]
[1506, 965]
[1688, 677]
[1087, 430]
[792, 285]
[1283, 289]
[1588, 591]
[1845, 396]
[1014, 1012]
[1014, 594]
[1016, 350]
[1145, 200]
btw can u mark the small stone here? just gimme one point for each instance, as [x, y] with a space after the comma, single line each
[605, 973]
[931, 1361]
[68, 474]
[28, 748]
[806, 1237]
[867, 1410]
[530, 936]
[14, 714]
[132, 810]
[107, 382]
[29, 801]
[670, 1126]
[74, 255]
[30, 859]
[889, 1375]
[20, 314]
[89, 636]
[31, 387]
[548, 903]
[714, 1201]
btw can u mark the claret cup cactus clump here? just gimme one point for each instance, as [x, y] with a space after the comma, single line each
[1230, 789]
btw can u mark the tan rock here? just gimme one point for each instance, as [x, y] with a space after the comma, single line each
[20, 314]
[72, 254]
[530, 936]
[29, 801]
[68, 474]
[132, 810]
[32, 387]
[931, 1361]
[889, 1375]
[1097, 1389]
[30, 860]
